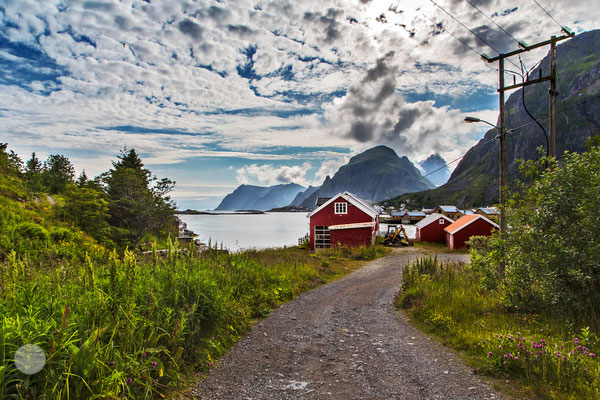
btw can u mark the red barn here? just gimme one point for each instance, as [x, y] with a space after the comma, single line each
[470, 225]
[431, 229]
[345, 220]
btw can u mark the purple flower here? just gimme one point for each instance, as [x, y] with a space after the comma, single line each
[503, 362]
[500, 346]
[144, 355]
[111, 363]
[154, 363]
[212, 338]
[489, 353]
[516, 358]
[592, 355]
[129, 380]
[564, 357]
[505, 356]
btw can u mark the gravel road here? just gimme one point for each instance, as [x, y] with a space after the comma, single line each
[343, 341]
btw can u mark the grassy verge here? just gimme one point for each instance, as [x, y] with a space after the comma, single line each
[547, 355]
[138, 327]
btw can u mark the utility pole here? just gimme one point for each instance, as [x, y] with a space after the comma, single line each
[502, 89]
[553, 95]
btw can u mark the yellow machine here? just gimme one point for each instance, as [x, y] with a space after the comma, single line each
[396, 236]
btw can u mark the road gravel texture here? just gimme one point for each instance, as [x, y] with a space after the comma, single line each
[343, 340]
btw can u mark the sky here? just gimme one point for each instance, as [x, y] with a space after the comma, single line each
[214, 94]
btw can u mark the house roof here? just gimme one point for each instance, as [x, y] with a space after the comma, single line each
[466, 221]
[449, 209]
[416, 214]
[321, 200]
[431, 218]
[352, 226]
[361, 204]
[489, 210]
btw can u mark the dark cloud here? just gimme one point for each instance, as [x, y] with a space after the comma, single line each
[381, 69]
[122, 22]
[386, 90]
[328, 22]
[217, 12]
[361, 131]
[240, 30]
[97, 5]
[190, 28]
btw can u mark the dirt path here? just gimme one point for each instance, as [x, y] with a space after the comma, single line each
[343, 341]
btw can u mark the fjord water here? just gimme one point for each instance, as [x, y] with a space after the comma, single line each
[257, 231]
[246, 231]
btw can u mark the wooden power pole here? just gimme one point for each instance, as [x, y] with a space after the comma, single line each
[502, 89]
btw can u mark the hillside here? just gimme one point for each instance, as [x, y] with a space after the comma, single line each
[475, 179]
[376, 174]
[250, 197]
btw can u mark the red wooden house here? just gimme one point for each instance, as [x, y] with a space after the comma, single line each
[345, 220]
[461, 231]
[431, 229]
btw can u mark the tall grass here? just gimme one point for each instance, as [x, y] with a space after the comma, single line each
[126, 326]
[546, 353]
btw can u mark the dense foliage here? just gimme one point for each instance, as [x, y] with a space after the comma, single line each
[552, 251]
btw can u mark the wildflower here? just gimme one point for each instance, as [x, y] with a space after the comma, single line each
[564, 357]
[505, 356]
[212, 338]
[111, 363]
[154, 363]
[516, 358]
[208, 363]
[503, 362]
[576, 340]
[129, 380]
[197, 374]
[541, 352]
[489, 353]
[586, 353]
[144, 355]
[500, 346]
[592, 355]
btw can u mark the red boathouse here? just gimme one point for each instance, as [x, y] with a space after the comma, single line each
[461, 231]
[431, 229]
[343, 220]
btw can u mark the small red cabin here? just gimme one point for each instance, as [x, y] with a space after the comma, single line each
[343, 220]
[431, 229]
[461, 231]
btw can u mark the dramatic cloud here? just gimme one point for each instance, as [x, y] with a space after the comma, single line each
[197, 80]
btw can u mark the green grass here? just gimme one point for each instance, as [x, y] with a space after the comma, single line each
[138, 327]
[548, 356]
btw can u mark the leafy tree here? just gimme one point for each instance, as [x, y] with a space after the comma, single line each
[58, 172]
[33, 174]
[552, 249]
[134, 204]
[10, 163]
[88, 210]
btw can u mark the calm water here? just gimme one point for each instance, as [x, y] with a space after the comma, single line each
[257, 231]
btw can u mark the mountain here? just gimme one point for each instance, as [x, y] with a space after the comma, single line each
[250, 197]
[375, 174]
[300, 197]
[475, 180]
[436, 163]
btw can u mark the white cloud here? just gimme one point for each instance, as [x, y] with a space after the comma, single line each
[269, 175]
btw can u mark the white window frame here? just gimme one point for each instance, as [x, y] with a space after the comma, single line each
[441, 221]
[340, 208]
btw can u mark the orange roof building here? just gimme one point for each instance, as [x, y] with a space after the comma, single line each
[458, 233]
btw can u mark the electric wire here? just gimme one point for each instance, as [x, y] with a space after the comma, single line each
[553, 19]
[471, 31]
[527, 110]
[440, 26]
[510, 130]
[494, 22]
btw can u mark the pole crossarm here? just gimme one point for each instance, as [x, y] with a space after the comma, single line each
[527, 48]
[526, 83]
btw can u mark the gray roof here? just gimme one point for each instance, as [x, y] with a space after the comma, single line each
[431, 218]
[449, 209]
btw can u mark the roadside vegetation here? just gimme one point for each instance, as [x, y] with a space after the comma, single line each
[112, 321]
[533, 318]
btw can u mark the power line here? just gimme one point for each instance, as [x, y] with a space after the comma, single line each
[473, 33]
[511, 130]
[553, 19]
[440, 26]
[494, 22]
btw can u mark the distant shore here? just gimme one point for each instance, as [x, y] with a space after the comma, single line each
[243, 212]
